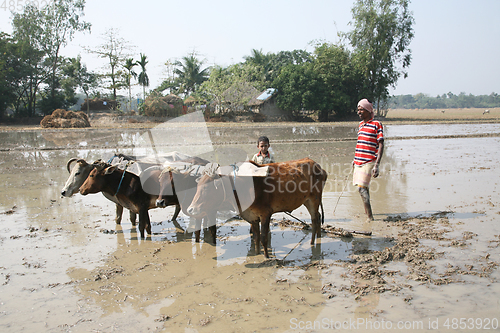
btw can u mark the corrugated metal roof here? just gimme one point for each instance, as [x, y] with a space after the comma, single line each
[266, 94]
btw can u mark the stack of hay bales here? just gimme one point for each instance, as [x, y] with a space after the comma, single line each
[65, 119]
[157, 105]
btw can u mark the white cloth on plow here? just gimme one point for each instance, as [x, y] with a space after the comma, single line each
[240, 169]
[138, 166]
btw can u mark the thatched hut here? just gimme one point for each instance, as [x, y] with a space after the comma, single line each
[265, 103]
[98, 104]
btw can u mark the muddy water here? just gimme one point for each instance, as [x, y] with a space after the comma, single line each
[66, 266]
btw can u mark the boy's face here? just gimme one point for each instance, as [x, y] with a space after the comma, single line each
[263, 147]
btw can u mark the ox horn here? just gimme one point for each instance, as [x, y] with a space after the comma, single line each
[78, 160]
[68, 165]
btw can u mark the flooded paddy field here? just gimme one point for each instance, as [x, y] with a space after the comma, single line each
[431, 263]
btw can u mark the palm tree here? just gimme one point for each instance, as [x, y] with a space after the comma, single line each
[257, 57]
[143, 77]
[129, 64]
[261, 63]
[189, 73]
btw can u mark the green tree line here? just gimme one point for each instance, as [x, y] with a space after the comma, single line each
[445, 101]
[369, 59]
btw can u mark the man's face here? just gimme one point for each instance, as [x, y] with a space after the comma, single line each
[363, 114]
[263, 147]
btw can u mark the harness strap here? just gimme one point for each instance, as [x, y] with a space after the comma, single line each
[111, 159]
[235, 169]
[121, 180]
[235, 195]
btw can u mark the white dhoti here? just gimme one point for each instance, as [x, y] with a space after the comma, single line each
[362, 174]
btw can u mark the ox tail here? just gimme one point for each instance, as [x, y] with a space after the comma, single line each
[322, 213]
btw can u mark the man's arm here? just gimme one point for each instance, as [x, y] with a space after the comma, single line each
[375, 171]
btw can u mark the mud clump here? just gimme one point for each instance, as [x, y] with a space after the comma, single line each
[370, 272]
[65, 119]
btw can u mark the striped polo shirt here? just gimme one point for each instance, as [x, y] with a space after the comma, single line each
[369, 135]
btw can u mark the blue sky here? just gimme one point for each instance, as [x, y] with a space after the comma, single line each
[455, 48]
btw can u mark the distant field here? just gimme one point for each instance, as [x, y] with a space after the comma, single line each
[471, 114]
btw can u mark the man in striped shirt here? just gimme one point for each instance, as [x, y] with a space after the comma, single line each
[369, 151]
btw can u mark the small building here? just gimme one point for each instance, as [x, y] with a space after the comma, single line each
[265, 104]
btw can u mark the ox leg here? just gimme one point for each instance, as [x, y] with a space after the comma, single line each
[212, 226]
[144, 223]
[213, 233]
[133, 217]
[148, 224]
[264, 234]
[197, 231]
[313, 209]
[209, 226]
[176, 213]
[119, 213]
[256, 236]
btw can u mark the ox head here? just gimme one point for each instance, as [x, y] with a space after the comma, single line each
[96, 180]
[77, 176]
[209, 195]
[219, 190]
[176, 186]
[166, 187]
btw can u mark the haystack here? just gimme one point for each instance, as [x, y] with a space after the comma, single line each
[157, 105]
[65, 119]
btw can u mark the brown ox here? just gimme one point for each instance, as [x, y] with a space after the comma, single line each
[287, 186]
[126, 188]
[77, 176]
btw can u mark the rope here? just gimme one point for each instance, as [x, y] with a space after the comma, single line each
[345, 186]
[111, 159]
[295, 246]
[295, 218]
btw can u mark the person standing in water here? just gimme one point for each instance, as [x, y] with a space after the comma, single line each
[369, 151]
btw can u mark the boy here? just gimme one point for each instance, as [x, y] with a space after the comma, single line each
[263, 156]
